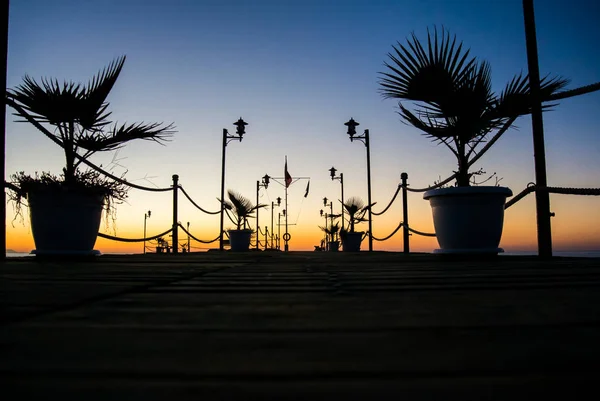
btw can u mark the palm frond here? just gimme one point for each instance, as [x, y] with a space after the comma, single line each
[98, 141]
[94, 115]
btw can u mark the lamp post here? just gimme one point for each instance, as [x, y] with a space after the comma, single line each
[364, 138]
[326, 239]
[332, 171]
[265, 185]
[188, 230]
[330, 204]
[279, 230]
[146, 216]
[272, 209]
[239, 133]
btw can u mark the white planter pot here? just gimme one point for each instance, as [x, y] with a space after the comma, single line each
[64, 222]
[239, 240]
[468, 220]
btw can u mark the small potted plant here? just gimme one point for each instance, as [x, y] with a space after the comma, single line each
[455, 106]
[65, 210]
[355, 214]
[242, 209]
[332, 231]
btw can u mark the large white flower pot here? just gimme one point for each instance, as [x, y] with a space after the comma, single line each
[468, 220]
[64, 222]
[239, 240]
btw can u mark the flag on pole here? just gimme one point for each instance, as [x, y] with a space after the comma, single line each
[307, 188]
[288, 177]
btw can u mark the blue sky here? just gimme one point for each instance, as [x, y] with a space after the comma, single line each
[296, 71]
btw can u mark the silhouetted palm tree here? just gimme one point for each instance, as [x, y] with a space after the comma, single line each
[79, 117]
[241, 207]
[455, 104]
[356, 209]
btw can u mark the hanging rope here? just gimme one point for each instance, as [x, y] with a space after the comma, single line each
[421, 233]
[531, 187]
[390, 204]
[389, 236]
[110, 237]
[195, 204]
[196, 239]
[439, 184]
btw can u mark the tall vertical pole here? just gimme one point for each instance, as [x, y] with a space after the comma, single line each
[4, 52]
[266, 236]
[257, 226]
[542, 198]
[272, 207]
[222, 189]
[368, 145]
[405, 226]
[343, 200]
[175, 244]
[188, 233]
[278, 230]
[145, 216]
[286, 246]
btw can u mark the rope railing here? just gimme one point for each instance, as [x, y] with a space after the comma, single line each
[390, 204]
[424, 234]
[196, 239]
[113, 238]
[195, 204]
[389, 236]
[531, 187]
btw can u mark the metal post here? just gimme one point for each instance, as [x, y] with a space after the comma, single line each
[342, 183]
[4, 52]
[222, 189]
[145, 217]
[279, 230]
[266, 236]
[188, 230]
[286, 245]
[367, 144]
[542, 198]
[405, 226]
[272, 207]
[257, 226]
[175, 244]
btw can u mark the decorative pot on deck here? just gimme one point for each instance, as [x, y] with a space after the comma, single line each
[239, 240]
[468, 220]
[352, 240]
[64, 222]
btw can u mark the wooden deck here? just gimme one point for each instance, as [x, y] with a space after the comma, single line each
[300, 325]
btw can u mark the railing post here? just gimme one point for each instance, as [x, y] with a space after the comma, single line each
[175, 243]
[405, 226]
[266, 237]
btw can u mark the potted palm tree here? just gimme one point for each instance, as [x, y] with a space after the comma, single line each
[65, 210]
[242, 209]
[454, 104]
[332, 231]
[356, 209]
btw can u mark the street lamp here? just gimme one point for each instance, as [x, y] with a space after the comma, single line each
[265, 185]
[326, 239]
[332, 171]
[351, 124]
[239, 133]
[330, 204]
[272, 209]
[146, 216]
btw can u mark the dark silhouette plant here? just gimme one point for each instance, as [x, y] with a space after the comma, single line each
[454, 101]
[76, 117]
[331, 230]
[241, 208]
[356, 210]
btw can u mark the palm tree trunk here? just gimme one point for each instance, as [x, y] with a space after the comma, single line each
[462, 178]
